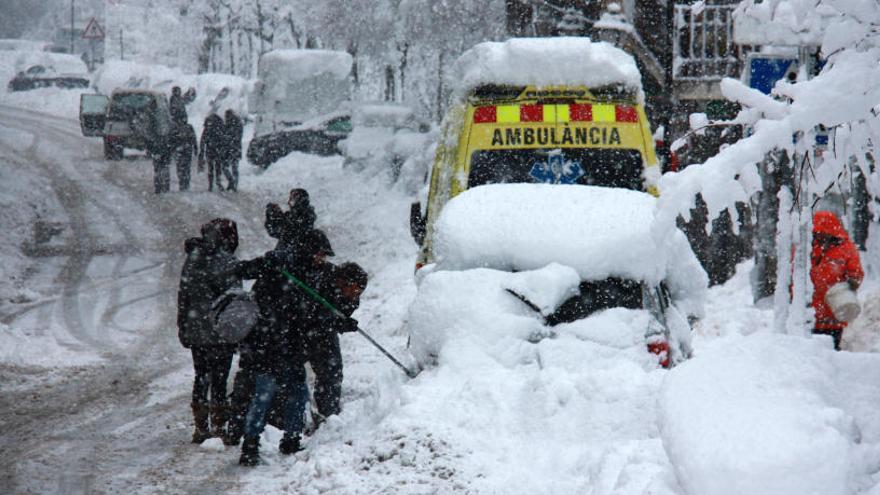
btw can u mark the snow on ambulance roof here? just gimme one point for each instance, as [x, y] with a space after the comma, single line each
[544, 62]
[295, 65]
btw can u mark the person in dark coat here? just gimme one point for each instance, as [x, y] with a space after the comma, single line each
[185, 147]
[211, 149]
[159, 147]
[203, 279]
[274, 347]
[342, 286]
[177, 106]
[289, 227]
[234, 131]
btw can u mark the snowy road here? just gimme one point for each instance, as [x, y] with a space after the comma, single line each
[110, 417]
[95, 386]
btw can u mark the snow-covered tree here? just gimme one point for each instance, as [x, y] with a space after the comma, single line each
[844, 97]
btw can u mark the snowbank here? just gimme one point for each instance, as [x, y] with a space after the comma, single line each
[544, 62]
[452, 305]
[532, 409]
[383, 137]
[214, 92]
[757, 415]
[26, 199]
[598, 231]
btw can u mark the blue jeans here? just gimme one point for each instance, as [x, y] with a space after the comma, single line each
[266, 386]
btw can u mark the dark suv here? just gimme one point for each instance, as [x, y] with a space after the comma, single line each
[129, 118]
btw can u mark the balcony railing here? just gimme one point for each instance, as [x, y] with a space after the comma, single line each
[702, 47]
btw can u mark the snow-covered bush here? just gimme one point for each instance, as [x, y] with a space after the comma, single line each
[844, 97]
[384, 136]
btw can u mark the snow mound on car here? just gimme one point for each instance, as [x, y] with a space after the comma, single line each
[600, 232]
[577, 407]
[544, 62]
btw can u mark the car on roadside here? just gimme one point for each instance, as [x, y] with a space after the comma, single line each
[319, 136]
[588, 259]
[51, 70]
[128, 118]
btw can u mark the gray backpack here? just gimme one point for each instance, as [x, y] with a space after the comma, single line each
[235, 314]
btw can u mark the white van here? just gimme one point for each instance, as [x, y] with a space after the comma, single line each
[295, 86]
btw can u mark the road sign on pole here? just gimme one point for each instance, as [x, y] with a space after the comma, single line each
[93, 30]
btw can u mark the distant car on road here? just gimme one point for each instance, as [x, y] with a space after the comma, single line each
[129, 118]
[319, 136]
[62, 71]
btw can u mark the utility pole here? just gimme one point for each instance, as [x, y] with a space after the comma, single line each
[72, 32]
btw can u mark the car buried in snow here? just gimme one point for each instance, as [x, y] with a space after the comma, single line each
[496, 244]
[320, 136]
[44, 70]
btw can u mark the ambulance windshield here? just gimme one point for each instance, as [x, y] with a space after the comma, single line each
[586, 166]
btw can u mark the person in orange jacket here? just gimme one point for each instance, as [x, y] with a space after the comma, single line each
[834, 260]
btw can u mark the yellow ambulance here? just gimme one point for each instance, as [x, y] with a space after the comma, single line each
[559, 111]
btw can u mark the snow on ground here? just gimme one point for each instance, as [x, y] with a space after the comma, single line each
[584, 412]
[52, 101]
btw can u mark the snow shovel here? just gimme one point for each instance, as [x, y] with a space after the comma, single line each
[317, 297]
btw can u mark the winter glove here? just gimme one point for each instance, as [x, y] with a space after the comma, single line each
[853, 284]
[346, 325]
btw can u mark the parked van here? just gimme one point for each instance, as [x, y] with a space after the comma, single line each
[555, 110]
[298, 92]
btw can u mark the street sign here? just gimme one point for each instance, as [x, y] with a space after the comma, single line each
[764, 70]
[93, 30]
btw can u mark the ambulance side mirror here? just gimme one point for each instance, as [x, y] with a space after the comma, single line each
[417, 223]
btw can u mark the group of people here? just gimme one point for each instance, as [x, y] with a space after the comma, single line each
[219, 148]
[292, 328]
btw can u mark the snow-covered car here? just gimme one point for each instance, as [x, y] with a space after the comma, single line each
[383, 136]
[319, 136]
[53, 70]
[533, 259]
[129, 118]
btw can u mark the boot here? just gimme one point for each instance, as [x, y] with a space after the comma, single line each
[200, 418]
[234, 430]
[218, 420]
[290, 444]
[250, 451]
